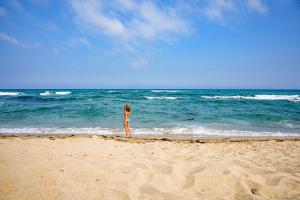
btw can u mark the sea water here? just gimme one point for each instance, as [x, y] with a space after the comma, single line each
[154, 111]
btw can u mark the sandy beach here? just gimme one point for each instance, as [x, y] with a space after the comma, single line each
[103, 167]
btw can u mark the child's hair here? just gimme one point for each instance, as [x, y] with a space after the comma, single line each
[127, 108]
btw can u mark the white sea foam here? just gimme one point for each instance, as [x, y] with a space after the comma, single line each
[47, 93]
[197, 131]
[258, 97]
[111, 91]
[8, 93]
[63, 93]
[278, 97]
[162, 97]
[289, 124]
[71, 130]
[159, 91]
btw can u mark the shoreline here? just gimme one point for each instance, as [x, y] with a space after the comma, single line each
[153, 138]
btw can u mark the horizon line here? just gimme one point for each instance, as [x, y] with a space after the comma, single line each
[149, 88]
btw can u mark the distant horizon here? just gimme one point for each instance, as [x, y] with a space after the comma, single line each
[149, 88]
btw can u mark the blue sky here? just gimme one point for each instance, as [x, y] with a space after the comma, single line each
[150, 44]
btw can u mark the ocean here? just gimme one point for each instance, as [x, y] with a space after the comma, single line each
[154, 111]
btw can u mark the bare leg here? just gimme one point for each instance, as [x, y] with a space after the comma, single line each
[128, 129]
[125, 127]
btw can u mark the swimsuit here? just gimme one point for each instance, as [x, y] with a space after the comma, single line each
[127, 120]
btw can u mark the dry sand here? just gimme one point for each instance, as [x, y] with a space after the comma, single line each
[115, 168]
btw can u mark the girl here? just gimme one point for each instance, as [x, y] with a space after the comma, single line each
[127, 111]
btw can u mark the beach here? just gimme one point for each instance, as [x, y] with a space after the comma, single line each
[113, 167]
[208, 90]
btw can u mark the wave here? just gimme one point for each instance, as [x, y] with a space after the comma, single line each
[47, 93]
[197, 131]
[111, 91]
[204, 131]
[71, 130]
[63, 93]
[8, 93]
[258, 97]
[162, 97]
[159, 91]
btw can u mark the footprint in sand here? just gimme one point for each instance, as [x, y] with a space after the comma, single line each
[140, 165]
[273, 181]
[164, 169]
[259, 170]
[190, 178]
[240, 163]
[149, 192]
[116, 194]
[197, 169]
[241, 196]
[189, 181]
[241, 193]
[226, 171]
[127, 170]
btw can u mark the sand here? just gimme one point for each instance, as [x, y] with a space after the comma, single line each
[158, 168]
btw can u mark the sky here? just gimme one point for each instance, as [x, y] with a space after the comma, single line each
[150, 44]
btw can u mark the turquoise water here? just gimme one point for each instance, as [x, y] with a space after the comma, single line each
[203, 112]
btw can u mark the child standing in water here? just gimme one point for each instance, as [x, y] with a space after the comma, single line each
[127, 111]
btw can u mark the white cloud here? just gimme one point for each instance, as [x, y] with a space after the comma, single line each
[2, 12]
[9, 39]
[156, 23]
[16, 42]
[90, 12]
[258, 6]
[132, 24]
[223, 10]
[217, 9]
[133, 20]
[143, 20]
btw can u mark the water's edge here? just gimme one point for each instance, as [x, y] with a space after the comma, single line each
[157, 138]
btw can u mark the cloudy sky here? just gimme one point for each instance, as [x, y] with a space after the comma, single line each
[150, 44]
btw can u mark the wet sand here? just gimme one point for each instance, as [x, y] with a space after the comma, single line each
[113, 167]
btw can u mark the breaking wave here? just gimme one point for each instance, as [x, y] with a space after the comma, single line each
[197, 131]
[112, 91]
[47, 93]
[160, 98]
[8, 93]
[160, 91]
[258, 97]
